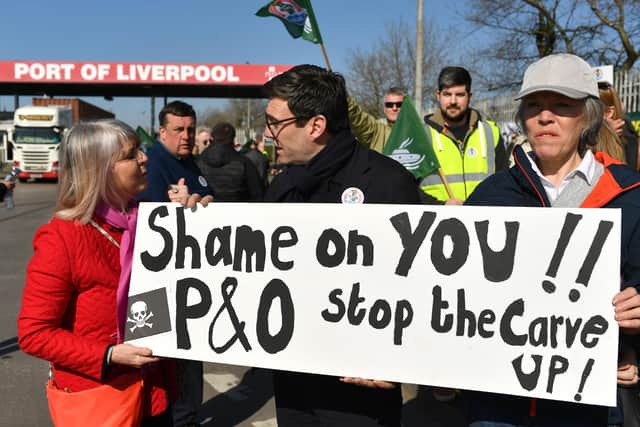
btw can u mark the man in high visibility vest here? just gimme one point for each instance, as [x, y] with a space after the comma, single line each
[469, 147]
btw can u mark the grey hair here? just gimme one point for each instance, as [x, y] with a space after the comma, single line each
[201, 129]
[87, 155]
[592, 119]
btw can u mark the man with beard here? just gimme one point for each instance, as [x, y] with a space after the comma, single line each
[308, 121]
[469, 147]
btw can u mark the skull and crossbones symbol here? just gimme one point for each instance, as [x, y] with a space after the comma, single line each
[140, 313]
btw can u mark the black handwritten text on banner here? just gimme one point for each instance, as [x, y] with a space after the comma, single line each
[509, 300]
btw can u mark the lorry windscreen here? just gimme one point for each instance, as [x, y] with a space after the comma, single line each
[33, 135]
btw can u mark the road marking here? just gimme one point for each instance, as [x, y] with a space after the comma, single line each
[227, 384]
[271, 422]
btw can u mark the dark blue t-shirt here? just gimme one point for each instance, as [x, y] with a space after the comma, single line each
[164, 169]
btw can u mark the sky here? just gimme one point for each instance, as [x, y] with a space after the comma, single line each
[194, 31]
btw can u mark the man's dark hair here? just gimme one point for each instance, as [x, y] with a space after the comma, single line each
[177, 108]
[311, 90]
[223, 133]
[454, 76]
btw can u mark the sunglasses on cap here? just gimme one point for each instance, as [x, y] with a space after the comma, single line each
[392, 104]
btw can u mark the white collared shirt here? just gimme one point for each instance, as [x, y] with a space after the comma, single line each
[585, 170]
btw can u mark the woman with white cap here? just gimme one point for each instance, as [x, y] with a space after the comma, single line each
[561, 114]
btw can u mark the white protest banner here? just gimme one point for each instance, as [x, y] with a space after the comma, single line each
[508, 300]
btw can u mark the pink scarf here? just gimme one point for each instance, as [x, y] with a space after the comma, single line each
[126, 222]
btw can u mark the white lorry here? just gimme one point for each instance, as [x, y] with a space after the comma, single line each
[36, 139]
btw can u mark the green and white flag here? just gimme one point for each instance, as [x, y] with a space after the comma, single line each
[297, 17]
[145, 139]
[409, 143]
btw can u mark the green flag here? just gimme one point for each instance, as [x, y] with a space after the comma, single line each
[145, 138]
[409, 143]
[297, 17]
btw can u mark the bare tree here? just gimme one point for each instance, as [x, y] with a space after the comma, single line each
[391, 62]
[521, 31]
[622, 18]
[235, 112]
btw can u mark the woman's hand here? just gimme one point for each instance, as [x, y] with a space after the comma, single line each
[627, 310]
[180, 193]
[364, 382]
[617, 125]
[628, 368]
[131, 355]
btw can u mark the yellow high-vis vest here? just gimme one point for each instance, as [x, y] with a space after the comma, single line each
[463, 170]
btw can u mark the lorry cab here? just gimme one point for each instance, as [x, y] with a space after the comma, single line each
[38, 132]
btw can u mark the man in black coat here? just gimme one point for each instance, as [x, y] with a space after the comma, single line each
[307, 118]
[255, 152]
[233, 176]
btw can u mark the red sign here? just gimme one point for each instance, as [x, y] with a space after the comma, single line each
[137, 72]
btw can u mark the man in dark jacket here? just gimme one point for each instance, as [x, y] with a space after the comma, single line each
[255, 153]
[233, 176]
[170, 159]
[307, 118]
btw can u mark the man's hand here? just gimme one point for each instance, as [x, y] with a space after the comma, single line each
[364, 382]
[454, 202]
[180, 193]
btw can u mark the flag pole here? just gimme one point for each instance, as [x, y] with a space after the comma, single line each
[326, 57]
[446, 183]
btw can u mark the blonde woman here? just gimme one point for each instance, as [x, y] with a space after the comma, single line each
[74, 301]
[609, 142]
[615, 118]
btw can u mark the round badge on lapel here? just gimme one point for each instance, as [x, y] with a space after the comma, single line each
[472, 152]
[202, 181]
[352, 195]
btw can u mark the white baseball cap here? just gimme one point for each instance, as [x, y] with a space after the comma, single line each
[563, 73]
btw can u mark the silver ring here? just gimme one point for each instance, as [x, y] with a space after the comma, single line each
[174, 190]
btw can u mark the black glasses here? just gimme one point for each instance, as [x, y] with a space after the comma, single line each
[392, 104]
[604, 85]
[272, 125]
